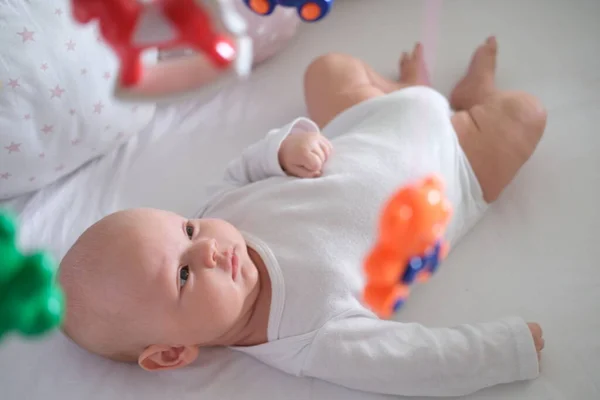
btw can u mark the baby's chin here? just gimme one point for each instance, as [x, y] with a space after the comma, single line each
[252, 266]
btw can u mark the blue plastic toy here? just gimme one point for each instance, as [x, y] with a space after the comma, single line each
[308, 10]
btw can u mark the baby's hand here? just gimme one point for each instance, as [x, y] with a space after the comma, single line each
[303, 154]
[538, 337]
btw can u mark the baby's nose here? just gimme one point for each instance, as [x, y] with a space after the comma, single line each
[206, 252]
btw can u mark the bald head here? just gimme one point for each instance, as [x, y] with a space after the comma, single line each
[103, 300]
[147, 283]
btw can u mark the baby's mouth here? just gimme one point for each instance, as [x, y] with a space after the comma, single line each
[234, 264]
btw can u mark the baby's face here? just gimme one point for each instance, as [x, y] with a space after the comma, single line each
[200, 270]
[190, 281]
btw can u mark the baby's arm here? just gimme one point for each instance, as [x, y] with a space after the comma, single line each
[409, 359]
[269, 156]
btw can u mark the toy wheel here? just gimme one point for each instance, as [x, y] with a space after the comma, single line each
[262, 7]
[436, 257]
[414, 266]
[398, 304]
[382, 299]
[314, 10]
[401, 293]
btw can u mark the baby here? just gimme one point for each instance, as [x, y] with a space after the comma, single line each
[272, 265]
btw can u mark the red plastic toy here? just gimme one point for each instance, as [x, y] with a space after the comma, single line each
[130, 27]
[410, 244]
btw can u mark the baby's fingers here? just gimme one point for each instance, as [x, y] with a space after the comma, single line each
[302, 172]
[319, 152]
[326, 147]
[313, 161]
[538, 335]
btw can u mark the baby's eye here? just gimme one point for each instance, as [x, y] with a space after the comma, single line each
[189, 230]
[184, 274]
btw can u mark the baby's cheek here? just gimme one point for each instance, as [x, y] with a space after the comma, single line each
[215, 301]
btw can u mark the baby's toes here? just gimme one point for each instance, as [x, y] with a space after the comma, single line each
[421, 70]
[403, 60]
[407, 71]
[417, 53]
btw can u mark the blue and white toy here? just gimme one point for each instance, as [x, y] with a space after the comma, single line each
[308, 10]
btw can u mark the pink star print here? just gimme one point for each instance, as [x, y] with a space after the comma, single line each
[48, 129]
[83, 71]
[5, 175]
[42, 155]
[72, 111]
[56, 92]
[26, 35]
[70, 45]
[14, 83]
[107, 75]
[59, 168]
[13, 148]
[27, 116]
[58, 11]
[44, 67]
[75, 142]
[98, 107]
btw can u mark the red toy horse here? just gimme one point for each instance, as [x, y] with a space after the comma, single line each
[130, 27]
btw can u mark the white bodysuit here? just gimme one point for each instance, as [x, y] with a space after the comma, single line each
[313, 235]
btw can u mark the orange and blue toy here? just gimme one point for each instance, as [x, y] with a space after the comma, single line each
[308, 10]
[410, 245]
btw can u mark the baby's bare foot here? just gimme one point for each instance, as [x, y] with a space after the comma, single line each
[413, 70]
[479, 81]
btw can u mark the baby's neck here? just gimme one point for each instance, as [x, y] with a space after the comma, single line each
[252, 327]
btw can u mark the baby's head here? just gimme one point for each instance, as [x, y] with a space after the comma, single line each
[151, 286]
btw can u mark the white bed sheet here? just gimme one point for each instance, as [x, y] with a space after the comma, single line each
[534, 253]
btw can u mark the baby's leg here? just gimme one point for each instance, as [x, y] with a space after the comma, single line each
[335, 82]
[498, 130]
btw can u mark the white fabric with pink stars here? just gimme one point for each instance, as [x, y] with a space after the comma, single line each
[57, 111]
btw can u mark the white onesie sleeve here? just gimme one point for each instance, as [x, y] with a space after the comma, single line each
[261, 160]
[408, 359]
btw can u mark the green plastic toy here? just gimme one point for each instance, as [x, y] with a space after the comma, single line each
[31, 303]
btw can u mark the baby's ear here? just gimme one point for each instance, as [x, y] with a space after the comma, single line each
[162, 357]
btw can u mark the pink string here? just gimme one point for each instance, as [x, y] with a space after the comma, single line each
[429, 39]
[430, 33]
